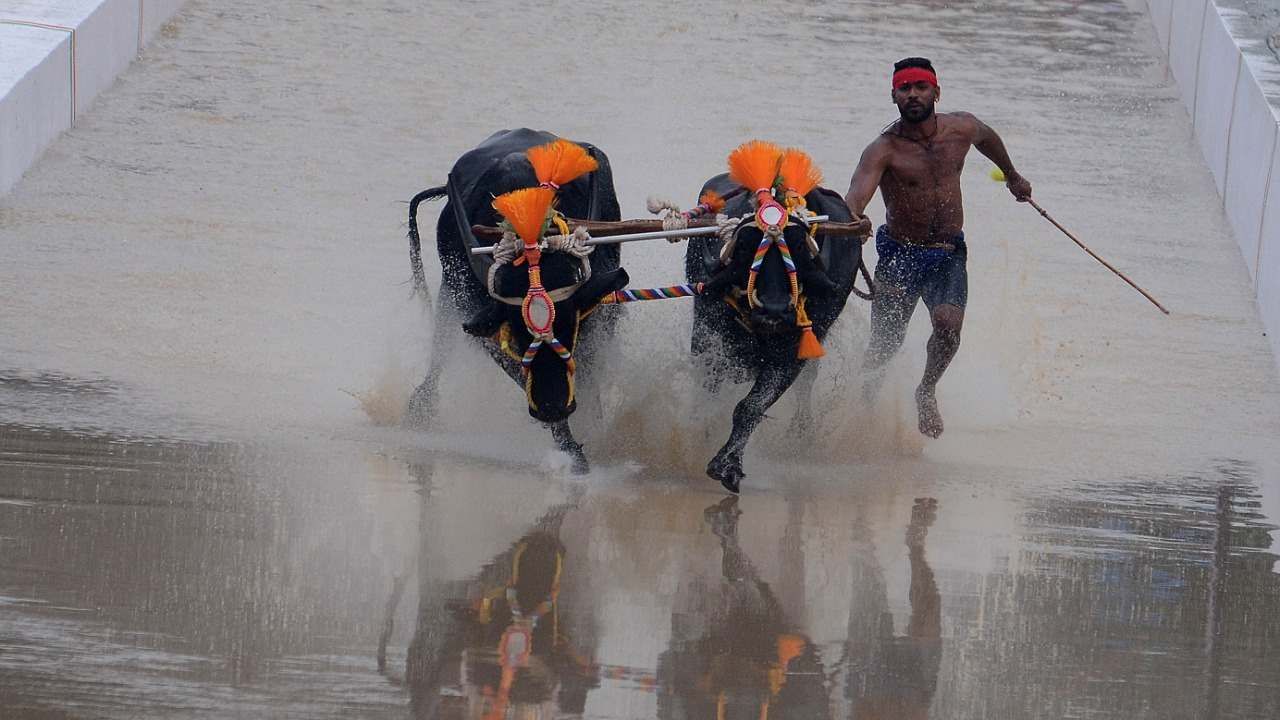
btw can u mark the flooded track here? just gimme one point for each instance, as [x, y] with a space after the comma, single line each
[198, 520]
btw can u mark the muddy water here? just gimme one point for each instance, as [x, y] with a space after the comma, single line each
[198, 519]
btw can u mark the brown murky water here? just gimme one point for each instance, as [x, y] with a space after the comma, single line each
[198, 520]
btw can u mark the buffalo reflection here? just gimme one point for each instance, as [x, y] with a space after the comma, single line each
[733, 652]
[496, 646]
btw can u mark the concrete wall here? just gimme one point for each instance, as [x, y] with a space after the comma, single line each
[55, 57]
[1229, 89]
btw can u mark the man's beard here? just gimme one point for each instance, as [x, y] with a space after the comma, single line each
[916, 114]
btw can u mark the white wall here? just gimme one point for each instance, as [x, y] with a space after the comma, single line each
[35, 97]
[1237, 130]
[56, 56]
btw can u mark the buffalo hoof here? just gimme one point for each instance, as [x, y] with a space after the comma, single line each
[580, 465]
[728, 470]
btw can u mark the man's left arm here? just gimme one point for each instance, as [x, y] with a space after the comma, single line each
[988, 142]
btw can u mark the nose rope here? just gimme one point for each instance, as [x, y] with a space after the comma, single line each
[538, 303]
[771, 237]
[539, 313]
[565, 354]
[809, 347]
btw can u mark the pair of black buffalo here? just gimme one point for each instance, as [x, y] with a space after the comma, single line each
[735, 332]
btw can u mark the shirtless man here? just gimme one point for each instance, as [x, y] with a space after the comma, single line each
[916, 163]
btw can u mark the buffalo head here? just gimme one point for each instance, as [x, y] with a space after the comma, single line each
[769, 301]
[549, 368]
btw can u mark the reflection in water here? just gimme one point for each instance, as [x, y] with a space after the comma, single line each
[1129, 599]
[734, 653]
[1134, 598]
[892, 676]
[498, 645]
[143, 579]
[1217, 585]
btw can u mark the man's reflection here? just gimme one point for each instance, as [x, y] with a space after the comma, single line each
[732, 653]
[895, 676]
[496, 646]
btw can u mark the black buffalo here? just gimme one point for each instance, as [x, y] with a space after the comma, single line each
[499, 165]
[742, 339]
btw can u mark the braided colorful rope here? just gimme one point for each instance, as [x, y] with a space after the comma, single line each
[659, 293]
[555, 344]
[787, 261]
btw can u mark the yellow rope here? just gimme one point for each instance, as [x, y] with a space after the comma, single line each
[561, 225]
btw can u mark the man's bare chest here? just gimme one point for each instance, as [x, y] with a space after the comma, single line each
[925, 164]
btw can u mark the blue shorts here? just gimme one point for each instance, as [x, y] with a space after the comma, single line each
[936, 275]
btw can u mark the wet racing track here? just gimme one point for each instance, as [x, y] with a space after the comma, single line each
[207, 509]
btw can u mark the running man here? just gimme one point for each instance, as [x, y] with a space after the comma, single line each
[916, 163]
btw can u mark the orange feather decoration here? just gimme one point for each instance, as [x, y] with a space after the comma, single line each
[560, 162]
[712, 200]
[809, 348]
[526, 210]
[798, 172]
[754, 164]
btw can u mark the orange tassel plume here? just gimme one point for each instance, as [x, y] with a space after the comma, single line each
[712, 200]
[526, 210]
[560, 162]
[754, 164]
[798, 172]
[810, 348]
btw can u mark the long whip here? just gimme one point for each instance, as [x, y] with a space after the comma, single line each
[1095, 256]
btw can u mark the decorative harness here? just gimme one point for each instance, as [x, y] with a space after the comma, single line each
[538, 307]
[528, 216]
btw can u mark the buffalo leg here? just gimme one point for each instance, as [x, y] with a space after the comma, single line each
[802, 423]
[444, 337]
[772, 382]
[565, 441]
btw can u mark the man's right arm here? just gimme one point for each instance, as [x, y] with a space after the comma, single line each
[866, 178]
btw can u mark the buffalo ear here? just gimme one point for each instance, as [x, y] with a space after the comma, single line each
[601, 283]
[718, 282]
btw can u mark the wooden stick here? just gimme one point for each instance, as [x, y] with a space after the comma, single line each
[635, 237]
[611, 239]
[1105, 264]
[605, 228]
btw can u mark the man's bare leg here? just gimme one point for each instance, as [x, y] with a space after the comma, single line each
[890, 314]
[943, 344]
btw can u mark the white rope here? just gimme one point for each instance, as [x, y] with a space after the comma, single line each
[656, 205]
[727, 231]
[506, 250]
[672, 217]
[575, 243]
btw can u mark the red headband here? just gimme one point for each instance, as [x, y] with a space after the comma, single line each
[906, 76]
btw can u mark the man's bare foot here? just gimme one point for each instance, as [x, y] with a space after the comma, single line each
[923, 513]
[927, 408]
